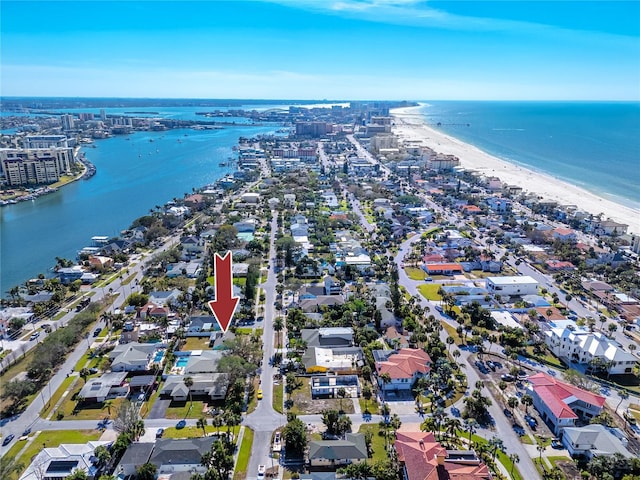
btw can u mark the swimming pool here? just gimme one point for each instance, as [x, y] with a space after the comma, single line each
[159, 356]
[182, 362]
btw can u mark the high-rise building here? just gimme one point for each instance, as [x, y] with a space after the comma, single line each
[35, 166]
[68, 122]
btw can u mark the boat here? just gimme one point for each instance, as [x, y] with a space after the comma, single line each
[222, 164]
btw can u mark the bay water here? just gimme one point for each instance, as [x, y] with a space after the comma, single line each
[134, 174]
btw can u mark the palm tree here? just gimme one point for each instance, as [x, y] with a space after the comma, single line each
[470, 425]
[450, 341]
[540, 449]
[496, 443]
[107, 404]
[278, 325]
[188, 381]
[527, 401]
[513, 402]
[386, 379]
[623, 394]
[202, 423]
[515, 458]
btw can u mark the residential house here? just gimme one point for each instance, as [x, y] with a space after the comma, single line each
[499, 205]
[212, 385]
[165, 298]
[186, 269]
[401, 368]
[56, 463]
[137, 454]
[340, 360]
[202, 326]
[337, 453]
[593, 441]
[133, 357]
[560, 404]
[421, 457]
[109, 385]
[180, 455]
[564, 234]
[512, 286]
[578, 344]
[328, 337]
[327, 386]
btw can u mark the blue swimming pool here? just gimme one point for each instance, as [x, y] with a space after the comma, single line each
[182, 362]
[159, 356]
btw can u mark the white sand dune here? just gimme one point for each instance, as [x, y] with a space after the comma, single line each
[410, 125]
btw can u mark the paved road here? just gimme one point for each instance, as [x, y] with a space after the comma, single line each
[502, 425]
[264, 420]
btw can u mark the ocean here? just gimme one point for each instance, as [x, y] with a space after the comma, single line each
[134, 174]
[595, 145]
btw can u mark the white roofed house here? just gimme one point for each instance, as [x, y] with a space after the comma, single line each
[97, 390]
[57, 463]
[577, 344]
[133, 357]
[212, 385]
[512, 286]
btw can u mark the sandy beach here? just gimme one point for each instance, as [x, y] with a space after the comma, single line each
[410, 125]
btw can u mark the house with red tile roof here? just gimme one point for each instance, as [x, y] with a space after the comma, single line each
[564, 234]
[423, 458]
[562, 404]
[403, 367]
[471, 209]
[443, 268]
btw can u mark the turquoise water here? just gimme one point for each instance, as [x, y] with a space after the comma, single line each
[595, 145]
[182, 361]
[159, 356]
[133, 176]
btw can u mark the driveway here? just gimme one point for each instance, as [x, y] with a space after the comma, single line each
[159, 408]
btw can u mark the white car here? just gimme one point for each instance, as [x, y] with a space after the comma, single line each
[261, 470]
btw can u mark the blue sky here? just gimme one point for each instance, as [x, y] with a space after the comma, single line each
[322, 49]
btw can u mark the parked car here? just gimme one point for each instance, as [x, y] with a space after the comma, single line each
[181, 424]
[491, 365]
[555, 443]
[261, 471]
[159, 433]
[97, 331]
[507, 378]
[631, 420]
[507, 413]
[46, 327]
[259, 395]
[7, 439]
[34, 335]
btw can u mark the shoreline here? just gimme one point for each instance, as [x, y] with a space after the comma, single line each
[411, 125]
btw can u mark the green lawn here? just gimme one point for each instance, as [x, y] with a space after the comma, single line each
[377, 442]
[278, 397]
[87, 411]
[430, 291]
[185, 409]
[66, 383]
[415, 273]
[195, 343]
[243, 455]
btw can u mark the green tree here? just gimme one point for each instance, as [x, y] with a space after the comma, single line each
[295, 437]
[218, 460]
[77, 474]
[202, 423]
[188, 382]
[9, 466]
[146, 471]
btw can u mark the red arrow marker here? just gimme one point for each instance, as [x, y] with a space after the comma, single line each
[224, 306]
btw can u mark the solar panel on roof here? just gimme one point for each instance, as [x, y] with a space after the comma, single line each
[62, 466]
